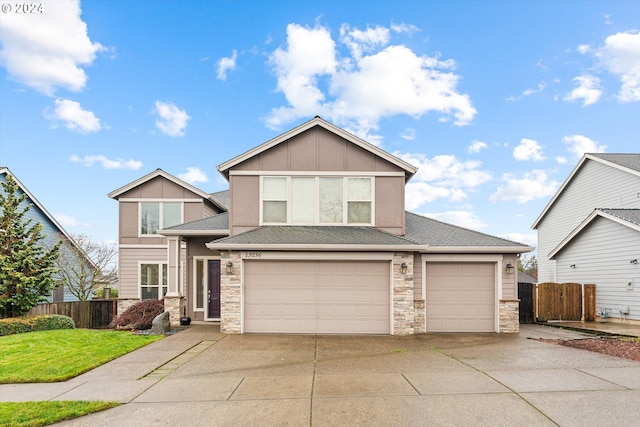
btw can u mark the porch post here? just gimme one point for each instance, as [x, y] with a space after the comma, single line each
[173, 299]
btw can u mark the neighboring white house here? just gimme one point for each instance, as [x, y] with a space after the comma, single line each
[590, 232]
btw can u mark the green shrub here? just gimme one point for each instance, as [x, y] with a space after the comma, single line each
[19, 325]
[99, 293]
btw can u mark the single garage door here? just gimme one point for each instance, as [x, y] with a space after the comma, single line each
[349, 297]
[460, 297]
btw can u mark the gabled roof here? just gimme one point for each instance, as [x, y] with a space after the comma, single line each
[222, 197]
[160, 173]
[217, 225]
[627, 217]
[525, 278]
[627, 162]
[4, 171]
[422, 234]
[410, 170]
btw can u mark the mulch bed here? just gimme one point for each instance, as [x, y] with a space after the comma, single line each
[627, 348]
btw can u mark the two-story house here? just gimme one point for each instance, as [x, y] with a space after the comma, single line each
[589, 232]
[312, 237]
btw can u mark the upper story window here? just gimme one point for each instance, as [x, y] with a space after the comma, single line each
[317, 200]
[157, 215]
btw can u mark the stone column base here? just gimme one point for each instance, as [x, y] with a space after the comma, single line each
[509, 316]
[175, 306]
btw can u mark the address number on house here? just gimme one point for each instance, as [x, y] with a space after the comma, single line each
[252, 255]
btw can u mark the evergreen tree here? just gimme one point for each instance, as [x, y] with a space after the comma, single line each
[27, 266]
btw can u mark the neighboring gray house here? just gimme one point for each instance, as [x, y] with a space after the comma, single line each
[312, 237]
[590, 232]
[51, 228]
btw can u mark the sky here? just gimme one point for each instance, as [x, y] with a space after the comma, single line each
[494, 101]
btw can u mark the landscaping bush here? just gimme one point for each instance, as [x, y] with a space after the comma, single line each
[99, 293]
[139, 316]
[19, 325]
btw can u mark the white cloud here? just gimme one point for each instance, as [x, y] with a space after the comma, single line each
[584, 48]
[580, 144]
[588, 90]
[171, 121]
[47, 51]
[372, 80]
[561, 160]
[409, 134]
[620, 55]
[106, 163]
[227, 64]
[528, 150]
[193, 175]
[68, 220]
[476, 146]
[531, 185]
[530, 239]
[442, 177]
[460, 218]
[74, 117]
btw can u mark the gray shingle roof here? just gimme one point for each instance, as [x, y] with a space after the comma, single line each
[630, 215]
[218, 222]
[315, 235]
[420, 232]
[427, 231]
[222, 197]
[628, 160]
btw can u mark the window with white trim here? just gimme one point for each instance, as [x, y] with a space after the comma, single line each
[305, 200]
[157, 215]
[153, 280]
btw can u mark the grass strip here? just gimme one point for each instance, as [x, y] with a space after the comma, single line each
[58, 355]
[35, 414]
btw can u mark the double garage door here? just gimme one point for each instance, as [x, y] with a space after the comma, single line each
[350, 297]
[460, 297]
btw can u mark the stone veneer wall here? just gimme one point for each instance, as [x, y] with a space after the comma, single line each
[175, 307]
[509, 316]
[123, 304]
[420, 316]
[230, 293]
[403, 305]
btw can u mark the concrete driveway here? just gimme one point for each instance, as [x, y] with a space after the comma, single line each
[200, 377]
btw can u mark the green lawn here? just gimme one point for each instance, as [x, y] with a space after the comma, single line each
[59, 355]
[51, 356]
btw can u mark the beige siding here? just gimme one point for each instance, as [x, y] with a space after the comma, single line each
[594, 186]
[417, 276]
[510, 281]
[129, 259]
[317, 150]
[244, 203]
[389, 204]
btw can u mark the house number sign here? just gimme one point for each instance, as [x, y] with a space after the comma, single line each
[253, 255]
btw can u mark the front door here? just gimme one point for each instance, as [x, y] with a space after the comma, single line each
[213, 293]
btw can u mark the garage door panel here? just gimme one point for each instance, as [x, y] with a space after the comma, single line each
[460, 297]
[317, 296]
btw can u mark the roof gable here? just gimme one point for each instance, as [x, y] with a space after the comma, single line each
[627, 217]
[5, 171]
[629, 162]
[159, 173]
[274, 144]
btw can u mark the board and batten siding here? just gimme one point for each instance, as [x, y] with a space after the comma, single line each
[595, 185]
[600, 254]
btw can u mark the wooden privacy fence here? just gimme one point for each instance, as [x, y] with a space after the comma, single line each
[93, 314]
[564, 301]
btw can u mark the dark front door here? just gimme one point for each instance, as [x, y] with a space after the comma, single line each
[213, 293]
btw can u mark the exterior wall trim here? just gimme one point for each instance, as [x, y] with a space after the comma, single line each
[314, 173]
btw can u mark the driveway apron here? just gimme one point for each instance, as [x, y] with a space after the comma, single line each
[200, 377]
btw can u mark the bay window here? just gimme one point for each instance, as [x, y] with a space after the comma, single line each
[305, 200]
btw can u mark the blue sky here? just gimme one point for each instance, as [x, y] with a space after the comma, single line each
[494, 101]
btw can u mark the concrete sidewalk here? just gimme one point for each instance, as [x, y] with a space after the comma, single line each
[202, 377]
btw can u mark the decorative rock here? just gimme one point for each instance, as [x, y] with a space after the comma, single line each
[160, 324]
